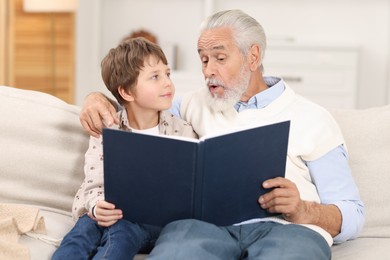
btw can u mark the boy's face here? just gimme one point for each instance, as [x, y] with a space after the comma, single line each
[154, 89]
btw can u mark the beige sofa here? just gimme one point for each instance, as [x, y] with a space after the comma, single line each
[41, 164]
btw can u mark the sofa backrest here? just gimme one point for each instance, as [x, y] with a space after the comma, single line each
[367, 135]
[42, 147]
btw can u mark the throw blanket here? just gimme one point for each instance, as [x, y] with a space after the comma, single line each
[16, 220]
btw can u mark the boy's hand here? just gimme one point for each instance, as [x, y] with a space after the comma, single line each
[106, 214]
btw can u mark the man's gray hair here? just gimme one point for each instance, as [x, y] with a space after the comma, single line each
[246, 30]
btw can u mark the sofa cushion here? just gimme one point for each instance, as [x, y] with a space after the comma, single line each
[58, 223]
[44, 134]
[367, 135]
[362, 249]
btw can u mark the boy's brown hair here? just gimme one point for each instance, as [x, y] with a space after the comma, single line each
[122, 64]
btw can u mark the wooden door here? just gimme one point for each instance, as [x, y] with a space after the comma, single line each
[38, 50]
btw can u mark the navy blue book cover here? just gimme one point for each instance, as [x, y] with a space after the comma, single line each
[159, 179]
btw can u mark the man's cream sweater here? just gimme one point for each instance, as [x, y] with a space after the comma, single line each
[313, 131]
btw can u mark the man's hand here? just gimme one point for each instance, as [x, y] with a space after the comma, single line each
[106, 214]
[98, 111]
[284, 198]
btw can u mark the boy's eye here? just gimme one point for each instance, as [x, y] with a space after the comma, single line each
[155, 76]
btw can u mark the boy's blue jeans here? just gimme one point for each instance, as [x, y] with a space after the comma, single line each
[123, 240]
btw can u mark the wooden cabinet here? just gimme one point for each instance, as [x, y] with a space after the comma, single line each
[37, 50]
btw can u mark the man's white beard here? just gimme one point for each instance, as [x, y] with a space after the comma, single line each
[231, 94]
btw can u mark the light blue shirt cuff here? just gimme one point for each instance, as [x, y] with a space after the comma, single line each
[354, 212]
[335, 185]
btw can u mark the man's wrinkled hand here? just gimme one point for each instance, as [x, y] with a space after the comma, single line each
[97, 112]
[284, 198]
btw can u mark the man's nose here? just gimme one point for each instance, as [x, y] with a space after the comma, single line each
[209, 69]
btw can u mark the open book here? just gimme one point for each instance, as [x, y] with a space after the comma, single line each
[159, 179]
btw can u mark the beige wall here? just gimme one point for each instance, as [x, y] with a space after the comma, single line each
[320, 23]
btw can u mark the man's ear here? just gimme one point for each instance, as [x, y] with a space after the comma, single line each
[254, 57]
[125, 94]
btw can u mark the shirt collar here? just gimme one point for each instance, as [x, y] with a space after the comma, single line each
[263, 98]
[124, 122]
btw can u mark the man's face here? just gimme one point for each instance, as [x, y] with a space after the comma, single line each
[224, 67]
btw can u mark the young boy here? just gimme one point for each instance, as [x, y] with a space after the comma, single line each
[137, 74]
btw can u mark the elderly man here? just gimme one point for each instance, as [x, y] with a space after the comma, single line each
[318, 202]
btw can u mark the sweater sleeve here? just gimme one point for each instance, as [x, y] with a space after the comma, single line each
[93, 168]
